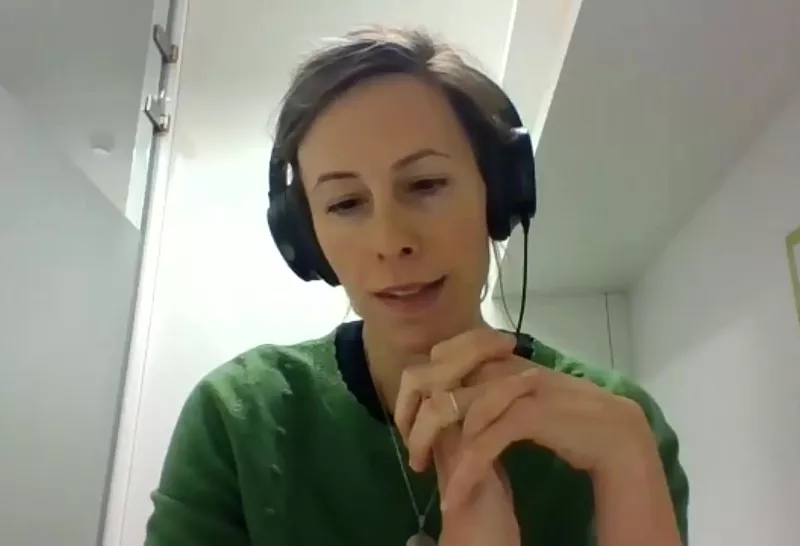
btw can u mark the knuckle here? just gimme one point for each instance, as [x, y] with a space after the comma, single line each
[507, 367]
[426, 407]
[439, 404]
[405, 377]
[471, 455]
[439, 351]
[445, 349]
[485, 339]
[531, 376]
[631, 408]
[491, 342]
[502, 340]
[412, 378]
[494, 404]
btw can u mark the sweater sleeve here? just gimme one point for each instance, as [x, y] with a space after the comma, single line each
[198, 501]
[668, 448]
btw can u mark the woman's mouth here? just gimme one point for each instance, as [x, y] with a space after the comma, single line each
[411, 298]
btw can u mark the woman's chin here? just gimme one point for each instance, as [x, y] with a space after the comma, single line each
[421, 337]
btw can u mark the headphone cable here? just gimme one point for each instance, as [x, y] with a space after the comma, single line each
[526, 224]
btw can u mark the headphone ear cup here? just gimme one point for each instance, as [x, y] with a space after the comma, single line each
[497, 217]
[523, 163]
[305, 239]
[295, 239]
[510, 176]
[499, 187]
[280, 226]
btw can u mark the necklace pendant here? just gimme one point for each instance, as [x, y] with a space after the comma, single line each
[420, 539]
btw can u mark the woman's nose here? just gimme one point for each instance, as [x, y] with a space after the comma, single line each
[395, 235]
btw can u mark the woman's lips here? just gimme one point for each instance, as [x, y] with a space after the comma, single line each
[412, 298]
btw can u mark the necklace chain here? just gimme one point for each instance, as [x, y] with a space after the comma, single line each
[421, 516]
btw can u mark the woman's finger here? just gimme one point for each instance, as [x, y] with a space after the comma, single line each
[498, 396]
[477, 458]
[478, 406]
[451, 361]
[436, 413]
[454, 359]
[409, 399]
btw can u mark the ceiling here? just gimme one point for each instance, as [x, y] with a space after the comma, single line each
[78, 69]
[655, 102]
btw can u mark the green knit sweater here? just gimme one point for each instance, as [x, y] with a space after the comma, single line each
[276, 448]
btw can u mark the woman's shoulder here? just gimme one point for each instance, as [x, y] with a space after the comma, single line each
[605, 377]
[232, 433]
[266, 374]
[270, 362]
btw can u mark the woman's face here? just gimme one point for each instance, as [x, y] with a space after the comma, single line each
[399, 208]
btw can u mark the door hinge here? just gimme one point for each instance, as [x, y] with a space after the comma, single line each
[155, 108]
[169, 51]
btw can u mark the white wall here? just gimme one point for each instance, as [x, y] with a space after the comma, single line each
[577, 325]
[717, 341]
[69, 260]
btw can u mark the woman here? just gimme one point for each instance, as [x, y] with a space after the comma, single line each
[400, 153]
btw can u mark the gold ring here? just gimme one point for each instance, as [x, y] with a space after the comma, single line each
[454, 402]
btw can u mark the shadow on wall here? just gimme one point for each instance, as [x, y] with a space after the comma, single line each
[717, 343]
[69, 264]
[730, 260]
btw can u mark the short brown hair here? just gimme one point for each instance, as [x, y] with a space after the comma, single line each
[374, 51]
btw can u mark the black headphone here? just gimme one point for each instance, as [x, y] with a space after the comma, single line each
[506, 164]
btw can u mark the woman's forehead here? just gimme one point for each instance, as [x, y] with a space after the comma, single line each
[380, 121]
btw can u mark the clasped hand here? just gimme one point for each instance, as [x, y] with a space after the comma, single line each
[475, 381]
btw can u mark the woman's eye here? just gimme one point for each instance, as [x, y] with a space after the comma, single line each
[344, 206]
[428, 185]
